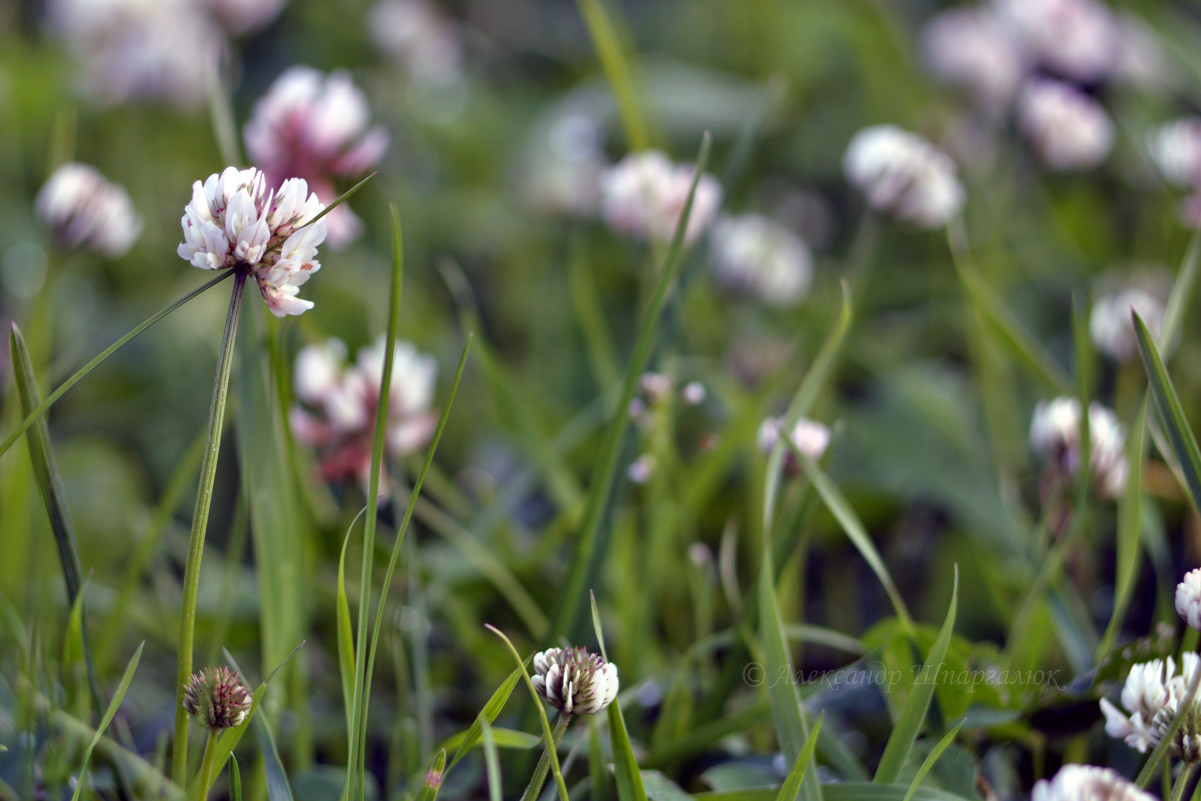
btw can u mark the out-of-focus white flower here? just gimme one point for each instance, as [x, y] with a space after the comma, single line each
[562, 167]
[759, 256]
[315, 126]
[83, 210]
[575, 680]
[1188, 598]
[693, 393]
[1088, 783]
[338, 404]
[419, 38]
[644, 195]
[139, 49]
[1055, 435]
[809, 436]
[1175, 147]
[1109, 324]
[1152, 696]
[235, 222]
[1066, 128]
[901, 174]
[973, 49]
[238, 17]
[1074, 38]
[641, 469]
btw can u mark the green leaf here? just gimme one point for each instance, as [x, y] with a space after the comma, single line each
[618, 69]
[660, 788]
[235, 779]
[492, 759]
[432, 783]
[585, 561]
[791, 789]
[278, 788]
[931, 758]
[913, 713]
[513, 739]
[113, 706]
[625, 766]
[488, 714]
[1180, 436]
[41, 408]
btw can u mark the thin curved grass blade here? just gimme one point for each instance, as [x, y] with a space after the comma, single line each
[109, 714]
[931, 758]
[790, 790]
[618, 69]
[487, 715]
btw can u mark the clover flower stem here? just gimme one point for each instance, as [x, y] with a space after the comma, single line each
[1183, 781]
[535, 786]
[205, 777]
[204, 497]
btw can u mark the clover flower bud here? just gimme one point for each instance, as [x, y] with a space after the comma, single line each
[903, 175]
[216, 698]
[1188, 598]
[575, 680]
[1079, 782]
[82, 210]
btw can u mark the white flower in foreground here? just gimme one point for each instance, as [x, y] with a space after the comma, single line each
[1055, 435]
[1188, 598]
[83, 210]
[759, 256]
[810, 438]
[574, 680]
[1066, 128]
[1110, 325]
[901, 174]
[1074, 38]
[644, 195]
[973, 49]
[315, 126]
[234, 222]
[1145, 693]
[1088, 783]
[1175, 147]
[338, 401]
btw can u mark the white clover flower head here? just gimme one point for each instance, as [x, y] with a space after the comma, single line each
[338, 402]
[1151, 699]
[1055, 436]
[809, 436]
[1073, 38]
[1066, 128]
[420, 39]
[903, 175]
[234, 222]
[139, 50]
[84, 211]
[315, 126]
[1055, 428]
[644, 194]
[1110, 325]
[694, 393]
[575, 680]
[761, 257]
[974, 49]
[217, 698]
[1088, 783]
[1188, 598]
[1175, 147]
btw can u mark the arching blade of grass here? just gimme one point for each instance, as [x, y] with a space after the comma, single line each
[617, 64]
[235, 779]
[113, 706]
[1182, 291]
[1130, 527]
[791, 788]
[278, 788]
[488, 714]
[491, 761]
[837, 503]
[585, 562]
[345, 632]
[1171, 414]
[50, 399]
[625, 765]
[931, 758]
[909, 723]
[513, 739]
[50, 486]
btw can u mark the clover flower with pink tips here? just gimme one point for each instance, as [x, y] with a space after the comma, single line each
[315, 126]
[82, 210]
[338, 402]
[644, 194]
[235, 223]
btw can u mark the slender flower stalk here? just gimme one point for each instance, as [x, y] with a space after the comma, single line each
[204, 498]
[534, 788]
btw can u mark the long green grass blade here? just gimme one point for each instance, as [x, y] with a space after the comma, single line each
[1182, 292]
[488, 714]
[345, 631]
[491, 761]
[278, 788]
[1171, 413]
[931, 758]
[235, 780]
[50, 399]
[1130, 527]
[428, 791]
[547, 734]
[113, 706]
[587, 557]
[790, 790]
[513, 739]
[913, 714]
[618, 69]
[625, 765]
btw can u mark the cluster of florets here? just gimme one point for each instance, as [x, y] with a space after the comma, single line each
[575, 680]
[902, 175]
[1055, 434]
